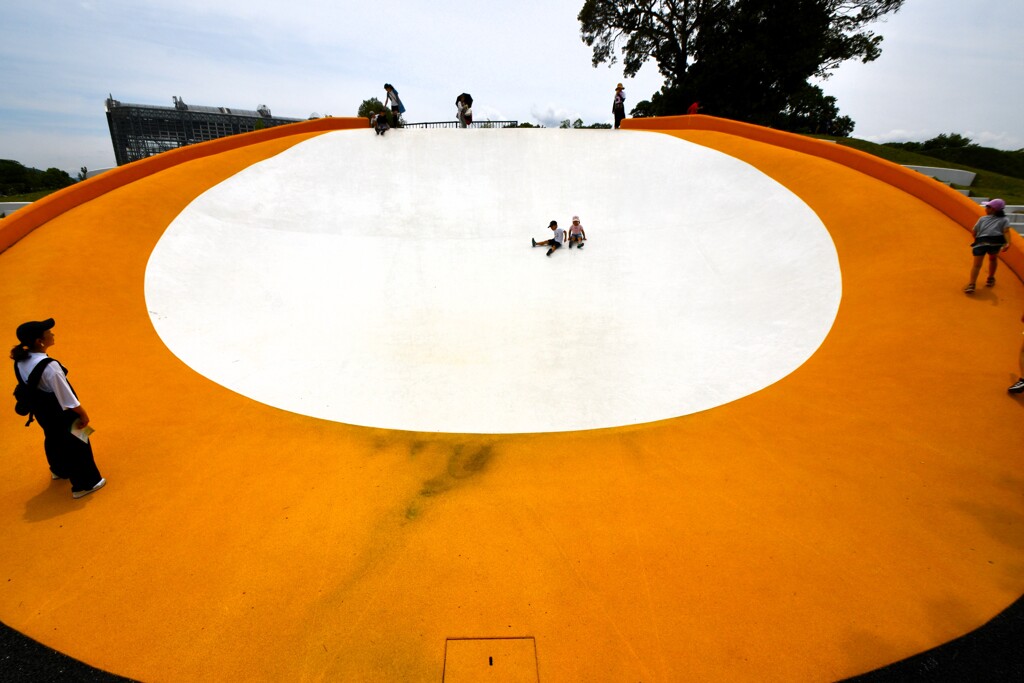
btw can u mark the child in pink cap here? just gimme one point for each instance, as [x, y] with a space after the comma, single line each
[576, 233]
[990, 238]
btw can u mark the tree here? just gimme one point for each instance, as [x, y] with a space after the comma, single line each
[17, 179]
[369, 107]
[811, 111]
[55, 179]
[939, 142]
[13, 177]
[83, 173]
[951, 141]
[745, 59]
[643, 109]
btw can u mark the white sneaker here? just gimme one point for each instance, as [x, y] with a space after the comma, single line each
[100, 484]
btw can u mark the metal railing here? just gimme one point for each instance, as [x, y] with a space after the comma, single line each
[456, 124]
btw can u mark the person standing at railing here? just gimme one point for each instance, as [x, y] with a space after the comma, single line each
[395, 102]
[990, 238]
[619, 104]
[464, 110]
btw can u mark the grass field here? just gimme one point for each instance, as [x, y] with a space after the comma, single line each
[986, 184]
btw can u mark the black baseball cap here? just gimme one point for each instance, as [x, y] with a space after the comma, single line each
[30, 331]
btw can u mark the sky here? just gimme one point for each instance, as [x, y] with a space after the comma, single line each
[946, 66]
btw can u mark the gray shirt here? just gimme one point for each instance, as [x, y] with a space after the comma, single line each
[991, 226]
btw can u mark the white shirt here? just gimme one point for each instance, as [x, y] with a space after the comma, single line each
[52, 380]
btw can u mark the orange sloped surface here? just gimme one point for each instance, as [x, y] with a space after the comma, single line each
[862, 509]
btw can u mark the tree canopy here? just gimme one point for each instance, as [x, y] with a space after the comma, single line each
[744, 59]
[370, 107]
[18, 179]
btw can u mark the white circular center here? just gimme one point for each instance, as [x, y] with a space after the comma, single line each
[390, 281]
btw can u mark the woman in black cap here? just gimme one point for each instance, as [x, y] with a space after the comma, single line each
[57, 409]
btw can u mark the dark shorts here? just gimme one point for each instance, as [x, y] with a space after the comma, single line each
[982, 248]
[555, 245]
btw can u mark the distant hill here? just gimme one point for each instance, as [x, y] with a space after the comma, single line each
[1007, 163]
[992, 179]
[17, 179]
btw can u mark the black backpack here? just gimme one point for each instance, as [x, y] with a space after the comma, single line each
[25, 391]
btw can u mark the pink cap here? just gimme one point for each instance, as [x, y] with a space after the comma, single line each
[995, 204]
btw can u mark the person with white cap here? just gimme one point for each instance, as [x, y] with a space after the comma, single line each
[990, 238]
[577, 235]
[54, 404]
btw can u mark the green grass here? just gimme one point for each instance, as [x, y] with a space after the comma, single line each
[986, 183]
[30, 197]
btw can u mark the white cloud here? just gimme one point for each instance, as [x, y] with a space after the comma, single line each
[945, 67]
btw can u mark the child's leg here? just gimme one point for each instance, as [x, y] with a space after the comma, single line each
[976, 268]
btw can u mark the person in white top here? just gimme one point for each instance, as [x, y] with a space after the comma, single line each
[395, 102]
[555, 242]
[56, 408]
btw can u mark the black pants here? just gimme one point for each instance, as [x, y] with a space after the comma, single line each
[68, 456]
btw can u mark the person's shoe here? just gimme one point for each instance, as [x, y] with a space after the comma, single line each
[580, 245]
[534, 241]
[54, 476]
[100, 484]
[549, 251]
[1018, 387]
[991, 282]
[969, 289]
